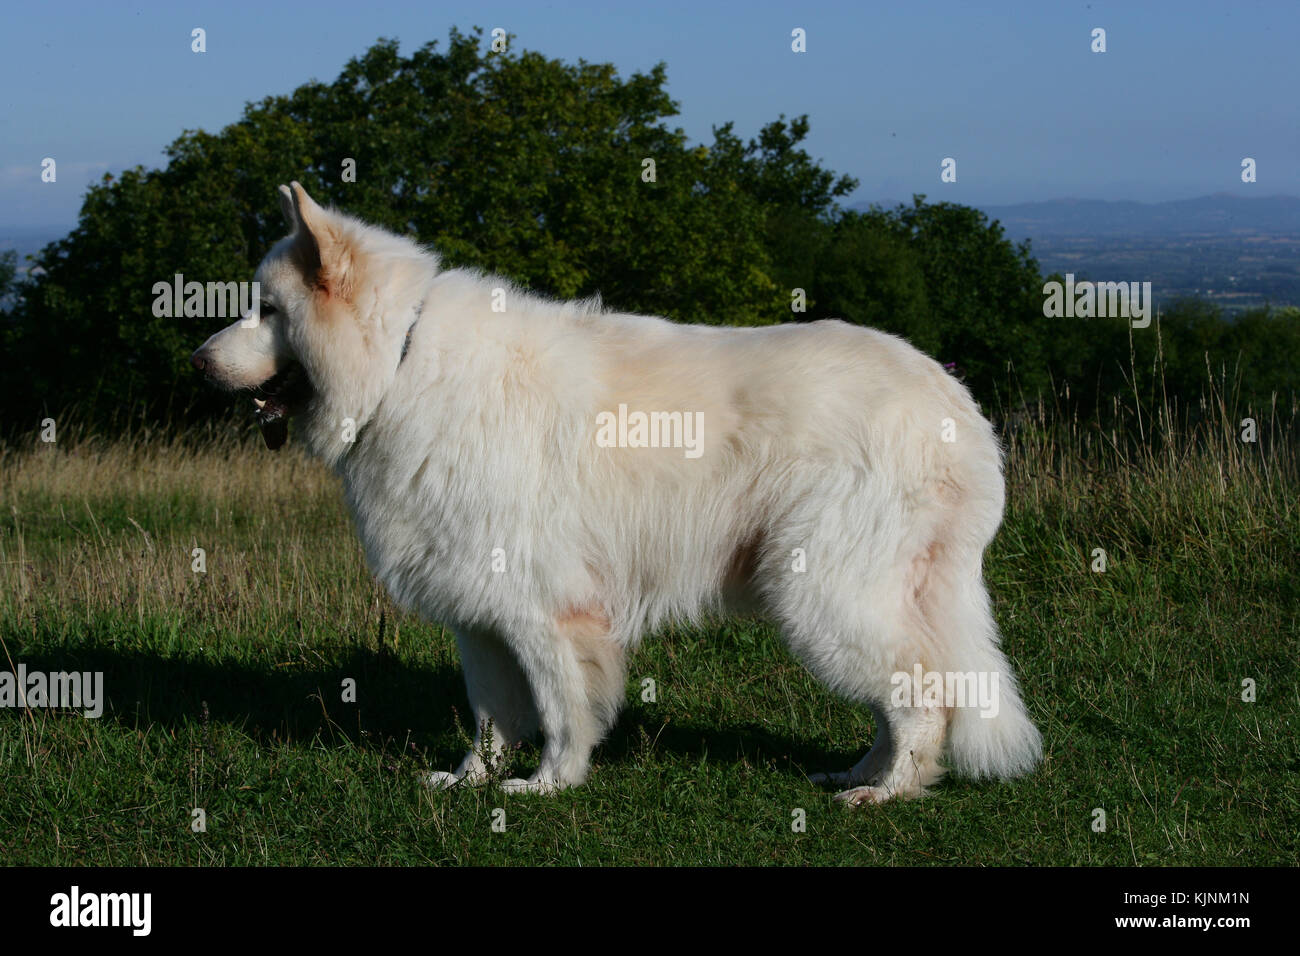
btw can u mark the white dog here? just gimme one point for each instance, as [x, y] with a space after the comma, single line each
[554, 481]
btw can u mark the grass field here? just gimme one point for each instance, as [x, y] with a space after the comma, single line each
[225, 687]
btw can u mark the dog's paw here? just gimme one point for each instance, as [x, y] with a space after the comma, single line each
[441, 780]
[532, 785]
[862, 796]
[446, 780]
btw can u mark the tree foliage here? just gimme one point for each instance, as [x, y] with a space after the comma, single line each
[533, 168]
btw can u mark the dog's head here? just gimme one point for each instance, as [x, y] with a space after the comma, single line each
[337, 298]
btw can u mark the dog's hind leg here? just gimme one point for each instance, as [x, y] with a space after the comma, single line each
[945, 693]
[906, 756]
[860, 662]
[858, 638]
[578, 680]
[502, 703]
[902, 762]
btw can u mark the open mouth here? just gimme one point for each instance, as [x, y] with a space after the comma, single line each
[276, 399]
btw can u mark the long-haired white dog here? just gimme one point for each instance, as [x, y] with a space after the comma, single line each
[553, 481]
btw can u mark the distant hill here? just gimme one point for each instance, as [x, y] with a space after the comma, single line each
[1218, 215]
[1235, 251]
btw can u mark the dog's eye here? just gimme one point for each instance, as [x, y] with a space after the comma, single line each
[265, 308]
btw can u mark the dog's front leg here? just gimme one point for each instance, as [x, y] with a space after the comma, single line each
[575, 668]
[502, 703]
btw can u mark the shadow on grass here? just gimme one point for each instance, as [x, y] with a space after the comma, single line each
[396, 700]
[720, 743]
[296, 702]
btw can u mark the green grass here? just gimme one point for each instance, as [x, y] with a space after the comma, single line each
[225, 687]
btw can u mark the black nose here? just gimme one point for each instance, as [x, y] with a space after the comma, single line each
[199, 359]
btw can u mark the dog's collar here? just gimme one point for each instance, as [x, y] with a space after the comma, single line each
[406, 347]
[406, 343]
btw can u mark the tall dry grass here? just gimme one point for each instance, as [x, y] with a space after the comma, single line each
[1205, 475]
[89, 525]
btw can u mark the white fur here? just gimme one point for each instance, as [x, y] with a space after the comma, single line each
[823, 439]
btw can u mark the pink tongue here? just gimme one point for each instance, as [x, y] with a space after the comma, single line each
[272, 419]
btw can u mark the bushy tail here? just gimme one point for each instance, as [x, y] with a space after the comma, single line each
[991, 737]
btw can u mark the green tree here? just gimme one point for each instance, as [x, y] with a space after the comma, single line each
[869, 274]
[509, 162]
[985, 293]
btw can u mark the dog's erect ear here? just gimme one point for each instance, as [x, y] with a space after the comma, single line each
[312, 216]
[324, 253]
[286, 207]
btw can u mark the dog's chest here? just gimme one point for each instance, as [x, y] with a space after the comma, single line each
[435, 547]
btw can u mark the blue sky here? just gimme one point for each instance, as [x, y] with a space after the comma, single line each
[1011, 90]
